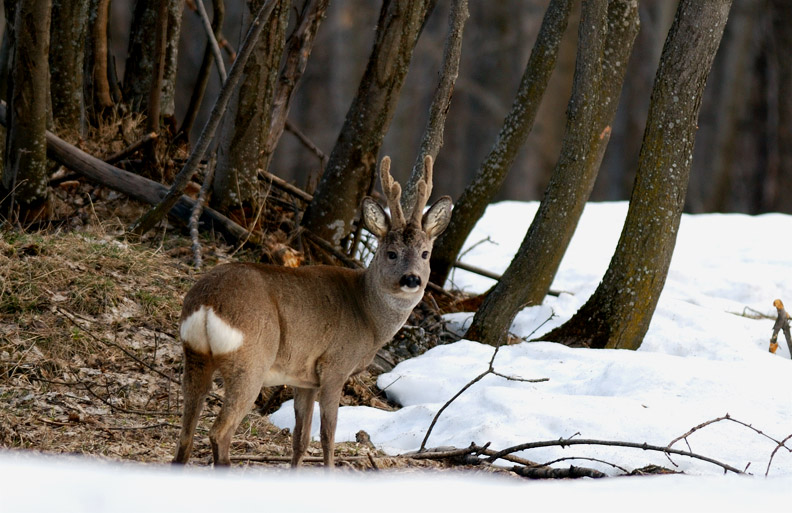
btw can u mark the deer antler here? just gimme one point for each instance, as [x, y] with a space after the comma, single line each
[392, 191]
[423, 190]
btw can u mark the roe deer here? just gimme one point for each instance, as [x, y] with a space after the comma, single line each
[310, 327]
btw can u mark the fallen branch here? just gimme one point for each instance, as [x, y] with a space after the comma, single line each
[611, 443]
[134, 186]
[779, 443]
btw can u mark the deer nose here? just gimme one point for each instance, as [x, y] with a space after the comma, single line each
[410, 281]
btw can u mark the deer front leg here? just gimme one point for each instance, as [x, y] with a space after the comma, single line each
[329, 397]
[303, 412]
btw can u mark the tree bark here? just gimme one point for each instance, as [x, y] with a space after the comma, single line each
[618, 313]
[298, 49]
[242, 145]
[516, 127]
[779, 199]
[140, 65]
[25, 175]
[606, 34]
[153, 216]
[349, 173]
[67, 49]
[432, 139]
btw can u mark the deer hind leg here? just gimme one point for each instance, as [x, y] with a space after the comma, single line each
[242, 386]
[329, 397]
[196, 382]
[303, 412]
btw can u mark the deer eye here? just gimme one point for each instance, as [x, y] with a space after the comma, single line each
[425, 255]
[392, 255]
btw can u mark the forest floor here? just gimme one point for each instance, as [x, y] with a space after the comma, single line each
[90, 361]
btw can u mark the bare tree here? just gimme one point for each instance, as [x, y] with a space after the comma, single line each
[607, 31]
[516, 127]
[140, 65]
[67, 41]
[24, 182]
[349, 173]
[618, 313]
[240, 155]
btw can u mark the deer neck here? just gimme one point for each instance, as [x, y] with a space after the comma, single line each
[388, 311]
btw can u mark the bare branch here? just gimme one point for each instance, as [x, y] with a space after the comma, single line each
[432, 139]
[196, 213]
[155, 215]
[212, 40]
[612, 443]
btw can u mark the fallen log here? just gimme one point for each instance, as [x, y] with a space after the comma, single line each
[134, 186]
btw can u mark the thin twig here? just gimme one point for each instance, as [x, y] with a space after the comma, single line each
[70, 316]
[153, 216]
[132, 148]
[285, 186]
[490, 370]
[291, 127]
[612, 443]
[212, 40]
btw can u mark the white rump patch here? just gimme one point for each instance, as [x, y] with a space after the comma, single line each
[205, 332]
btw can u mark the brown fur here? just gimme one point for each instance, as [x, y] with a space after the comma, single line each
[310, 327]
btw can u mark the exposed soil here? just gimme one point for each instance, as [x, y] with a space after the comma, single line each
[89, 357]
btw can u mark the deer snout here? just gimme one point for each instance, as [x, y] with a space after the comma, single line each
[410, 281]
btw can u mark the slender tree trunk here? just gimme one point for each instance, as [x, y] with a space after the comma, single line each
[516, 127]
[607, 31]
[96, 89]
[432, 139]
[25, 177]
[242, 147]
[618, 313]
[140, 65]
[67, 48]
[298, 49]
[349, 172]
[781, 198]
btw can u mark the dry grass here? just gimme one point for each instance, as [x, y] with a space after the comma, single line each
[89, 360]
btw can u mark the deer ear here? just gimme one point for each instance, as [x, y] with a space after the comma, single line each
[374, 218]
[436, 219]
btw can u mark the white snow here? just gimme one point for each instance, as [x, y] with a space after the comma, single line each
[700, 360]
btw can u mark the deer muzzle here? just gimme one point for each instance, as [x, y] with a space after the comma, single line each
[410, 282]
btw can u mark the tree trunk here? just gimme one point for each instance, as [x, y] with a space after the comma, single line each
[96, 87]
[349, 173]
[67, 48]
[432, 139]
[242, 148]
[298, 49]
[516, 127]
[618, 313]
[140, 65]
[25, 176]
[779, 199]
[607, 31]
